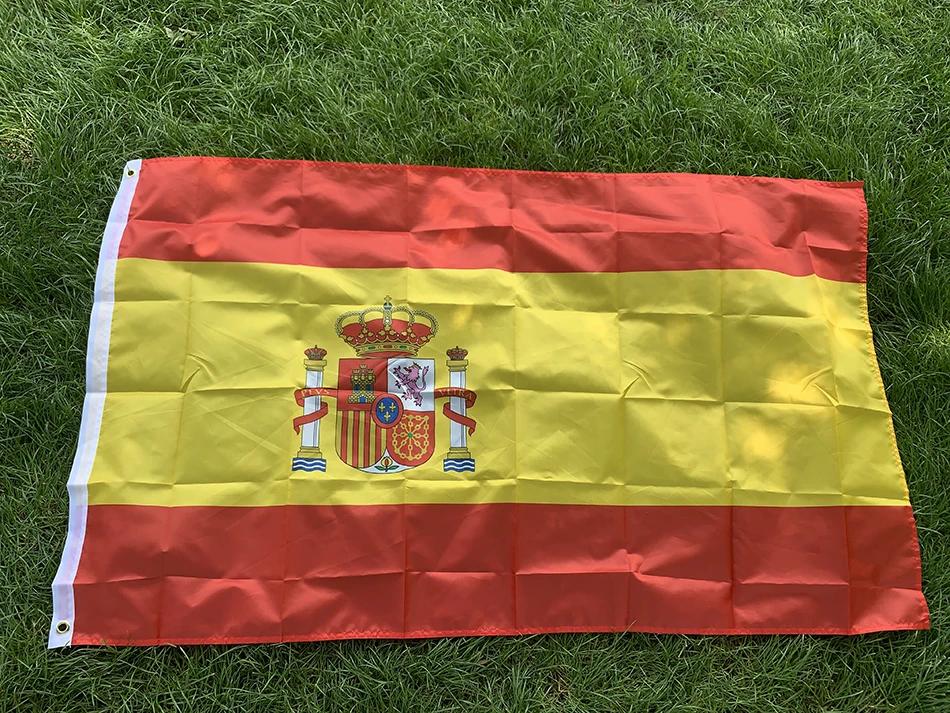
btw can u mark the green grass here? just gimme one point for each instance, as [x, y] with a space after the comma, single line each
[850, 89]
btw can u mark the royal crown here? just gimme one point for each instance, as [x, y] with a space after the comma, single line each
[315, 353]
[456, 353]
[388, 331]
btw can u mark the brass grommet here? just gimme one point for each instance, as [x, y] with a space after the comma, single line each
[62, 627]
[130, 172]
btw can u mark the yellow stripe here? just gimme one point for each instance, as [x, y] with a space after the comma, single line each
[702, 387]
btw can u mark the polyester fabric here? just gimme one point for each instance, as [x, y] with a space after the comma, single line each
[347, 401]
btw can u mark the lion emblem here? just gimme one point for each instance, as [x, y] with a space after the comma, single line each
[412, 381]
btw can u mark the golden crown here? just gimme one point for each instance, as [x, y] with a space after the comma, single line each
[387, 330]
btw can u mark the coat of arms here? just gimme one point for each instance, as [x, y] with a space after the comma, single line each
[385, 415]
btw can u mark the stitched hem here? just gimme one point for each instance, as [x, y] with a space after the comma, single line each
[79, 639]
[483, 170]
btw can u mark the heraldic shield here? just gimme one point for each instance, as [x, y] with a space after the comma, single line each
[385, 420]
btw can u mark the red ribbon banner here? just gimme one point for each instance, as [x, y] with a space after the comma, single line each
[301, 394]
[456, 392]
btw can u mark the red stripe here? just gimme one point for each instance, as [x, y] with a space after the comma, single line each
[344, 425]
[358, 433]
[352, 216]
[203, 574]
[378, 453]
[367, 434]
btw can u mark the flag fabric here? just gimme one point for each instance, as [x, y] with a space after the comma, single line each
[331, 401]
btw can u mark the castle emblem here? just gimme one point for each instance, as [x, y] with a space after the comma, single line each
[385, 398]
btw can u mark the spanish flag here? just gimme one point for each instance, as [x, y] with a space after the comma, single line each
[330, 401]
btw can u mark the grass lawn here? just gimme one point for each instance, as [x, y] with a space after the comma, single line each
[827, 89]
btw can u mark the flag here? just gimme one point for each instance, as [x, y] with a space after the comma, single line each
[331, 401]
